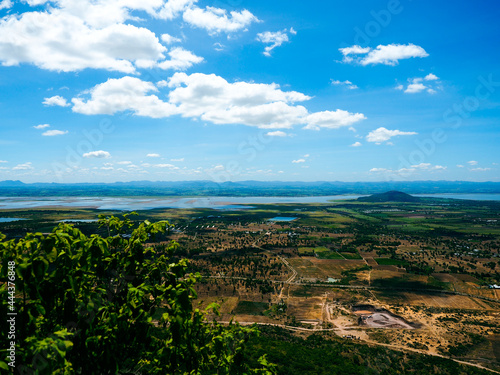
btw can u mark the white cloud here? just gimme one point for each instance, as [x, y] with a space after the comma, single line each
[299, 161]
[127, 93]
[275, 39]
[417, 85]
[42, 126]
[377, 170]
[428, 167]
[180, 159]
[125, 162]
[168, 166]
[216, 20]
[431, 77]
[210, 98]
[23, 167]
[472, 162]
[292, 31]
[169, 39]
[180, 59]
[5, 4]
[414, 88]
[153, 155]
[97, 154]
[354, 50]
[306, 155]
[422, 167]
[387, 55]
[356, 144]
[219, 47]
[277, 133]
[52, 133]
[213, 99]
[3, 161]
[56, 101]
[332, 119]
[460, 166]
[347, 83]
[382, 135]
[70, 39]
[480, 169]
[173, 8]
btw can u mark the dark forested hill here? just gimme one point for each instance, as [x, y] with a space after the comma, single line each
[390, 196]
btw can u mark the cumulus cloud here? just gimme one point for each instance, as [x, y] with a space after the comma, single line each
[422, 167]
[216, 20]
[5, 4]
[169, 39]
[180, 59]
[346, 83]
[56, 101]
[153, 155]
[416, 85]
[277, 133]
[52, 133]
[127, 93]
[173, 8]
[387, 55]
[472, 162]
[299, 161]
[274, 39]
[332, 119]
[480, 169]
[210, 98]
[428, 167]
[23, 167]
[168, 166]
[57, 40]
[431, 77]
[97, 154]
[382, 135]
[42, 126]
[179, 159]
[76, 35]
[356, 144]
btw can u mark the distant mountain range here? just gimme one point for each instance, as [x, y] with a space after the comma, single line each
[241, 188]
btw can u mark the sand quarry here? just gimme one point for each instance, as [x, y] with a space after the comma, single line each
[373, 317]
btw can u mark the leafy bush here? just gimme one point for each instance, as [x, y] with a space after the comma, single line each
[86, 305]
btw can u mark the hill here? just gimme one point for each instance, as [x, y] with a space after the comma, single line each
[390, 196]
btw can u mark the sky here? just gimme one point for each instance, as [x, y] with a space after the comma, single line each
[234, 90]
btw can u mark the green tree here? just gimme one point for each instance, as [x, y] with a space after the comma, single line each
[107, 305]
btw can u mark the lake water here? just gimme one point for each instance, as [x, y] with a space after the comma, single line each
[219, 203]
[131, 204]
[9, 219]
[282, 218]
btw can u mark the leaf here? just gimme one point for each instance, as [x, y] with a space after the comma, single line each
[52, 255]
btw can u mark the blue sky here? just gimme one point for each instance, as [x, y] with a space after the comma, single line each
[123, 90]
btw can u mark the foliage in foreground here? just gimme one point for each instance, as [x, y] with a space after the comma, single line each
[87, 305]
